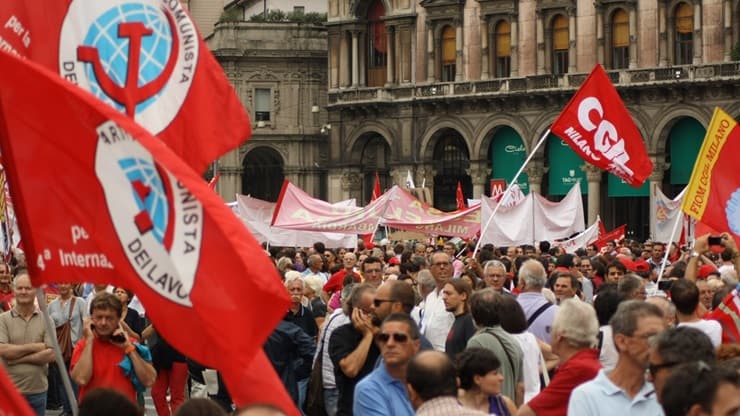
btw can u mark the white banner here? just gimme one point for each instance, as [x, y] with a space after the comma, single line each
[257, 215]
[581, 240]
[533, 219]
[664, 214]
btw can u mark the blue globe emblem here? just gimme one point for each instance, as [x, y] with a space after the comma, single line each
[154, 201]
[114, 50]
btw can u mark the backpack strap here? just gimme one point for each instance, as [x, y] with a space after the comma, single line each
[537, 313]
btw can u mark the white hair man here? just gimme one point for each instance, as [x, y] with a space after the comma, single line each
[538, 310]
[436, 321]
[494, 274]
[574, 334]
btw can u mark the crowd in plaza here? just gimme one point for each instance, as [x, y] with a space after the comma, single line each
[408, 328]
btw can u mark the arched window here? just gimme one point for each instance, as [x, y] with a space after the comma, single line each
[559, 44]
[375, 159]
[263, 174]
[377, 47]
[449, 53]
[503, 49]
[620, 39]
[451, 160]
[684, 34]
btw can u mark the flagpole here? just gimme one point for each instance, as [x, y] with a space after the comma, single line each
[59, 361]
[508, 189]
[679, 219]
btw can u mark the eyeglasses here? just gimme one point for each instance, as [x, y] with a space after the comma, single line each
[397, 337]
[378, 302]
[654, 368]
[441, 264]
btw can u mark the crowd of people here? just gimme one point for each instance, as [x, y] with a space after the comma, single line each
[410, 328]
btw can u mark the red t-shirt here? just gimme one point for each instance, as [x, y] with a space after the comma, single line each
[580, 368]
[335, 281]
[106, 372]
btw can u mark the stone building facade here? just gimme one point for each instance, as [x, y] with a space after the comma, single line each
[279, 72]
[461, 90]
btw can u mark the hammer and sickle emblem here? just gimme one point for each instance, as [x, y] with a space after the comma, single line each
[131, 93]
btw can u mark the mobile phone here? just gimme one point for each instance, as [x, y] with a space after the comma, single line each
[118, 338]
[715, 240]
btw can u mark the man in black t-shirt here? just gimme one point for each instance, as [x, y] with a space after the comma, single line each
[455, 295]
[352, 348]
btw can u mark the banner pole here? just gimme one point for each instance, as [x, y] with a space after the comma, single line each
[58, 360]
[508, 189]
[679, 219]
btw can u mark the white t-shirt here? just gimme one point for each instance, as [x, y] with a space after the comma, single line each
[608, 356]
[532, 358]
[713, 329]
[436, 321]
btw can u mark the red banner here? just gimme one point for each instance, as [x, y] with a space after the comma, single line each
[598, 127]
[144, 58]
[459, 197]
[128, 212]
[616, 234]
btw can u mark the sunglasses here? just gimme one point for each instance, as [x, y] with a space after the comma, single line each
[654, 368]
[397, 337]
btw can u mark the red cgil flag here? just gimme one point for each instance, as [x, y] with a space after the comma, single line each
[12, 403]
[616, 234]
[598, 127]
[142, 57]
[459, 197]
[713, 193]
[129, 212]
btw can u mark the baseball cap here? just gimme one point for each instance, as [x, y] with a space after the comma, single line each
[705, 270]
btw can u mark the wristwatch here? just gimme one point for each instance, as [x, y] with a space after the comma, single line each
[694, 254]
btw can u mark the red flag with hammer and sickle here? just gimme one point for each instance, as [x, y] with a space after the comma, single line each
[142, 57]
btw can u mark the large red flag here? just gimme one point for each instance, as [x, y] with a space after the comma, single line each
[143, 57]
[615, 234]
[713, 192]
[598, 127]
[12, 403]
[459, 197]
[99, 199]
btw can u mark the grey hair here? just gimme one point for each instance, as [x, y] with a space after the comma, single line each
[490, 264]
[576, 321]
[293, 275]
[355, 297]
[533, 274]
[669, 309]
[426, 280]
[346, 292]
[729, 277]
[314, 283]
[624, 320]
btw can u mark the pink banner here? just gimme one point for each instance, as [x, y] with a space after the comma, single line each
[296, 210]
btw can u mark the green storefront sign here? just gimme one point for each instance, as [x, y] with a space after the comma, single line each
[565, 168]
[508, 154]
[618, 187]
[685, 141]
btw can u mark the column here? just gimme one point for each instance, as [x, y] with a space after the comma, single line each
[479, 174]
[535, 172]
[662, 35]
[697, 34]
[484, 52]
[593, 176]
[230, 169]
[390, 68]
[633, 38]
[459, 74]
[727, 29]
[355, 59]
[656, 182]
[344, 61]
[351, 183]
[362, 52]
[336, 190]
[431, 66]
[572, 68]
[600, 41]
[540, 43]
[514, 45]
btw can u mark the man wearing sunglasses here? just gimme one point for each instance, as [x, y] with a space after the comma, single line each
[676, 346]
[383, 392]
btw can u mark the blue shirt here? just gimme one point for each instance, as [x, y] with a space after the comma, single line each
[530, 302]
[603, 398]
[382, 395]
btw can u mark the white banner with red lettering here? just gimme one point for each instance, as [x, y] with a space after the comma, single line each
[581, 240]
[256, 214]
[533, 219]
